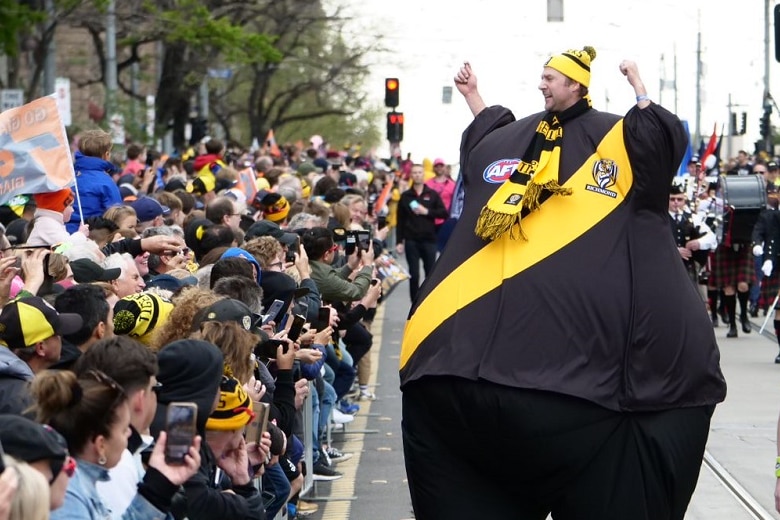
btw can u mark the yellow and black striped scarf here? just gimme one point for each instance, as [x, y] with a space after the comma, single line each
[536, 174]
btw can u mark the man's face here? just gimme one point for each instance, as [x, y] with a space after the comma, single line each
[130, 282]
[142, 263]
[52, 348]
[676, 203]
[233, 220]
[417, 175]
[559, 91]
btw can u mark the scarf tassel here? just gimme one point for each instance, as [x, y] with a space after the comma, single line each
[533, 193]
[491, 224]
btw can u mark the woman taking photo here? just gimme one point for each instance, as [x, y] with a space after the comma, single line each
[93, 415]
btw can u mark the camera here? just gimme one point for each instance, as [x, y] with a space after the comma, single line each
[352, 239]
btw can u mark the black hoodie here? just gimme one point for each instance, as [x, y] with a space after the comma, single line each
[191, 370]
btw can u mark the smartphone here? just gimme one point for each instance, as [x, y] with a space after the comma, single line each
[374, 281]
[364, 240]
[273, 311]
[296, 327]
[267, 349]
[323, 318]
[180, 425]
[381, 222]
[351, 244]
[254, 430]
[291, 250]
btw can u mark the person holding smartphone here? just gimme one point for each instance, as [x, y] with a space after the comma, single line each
[191, 370]
[92, 412]
[418, 211]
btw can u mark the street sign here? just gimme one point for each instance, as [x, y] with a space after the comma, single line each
[62, 90]
[220, 73]
[11, 98]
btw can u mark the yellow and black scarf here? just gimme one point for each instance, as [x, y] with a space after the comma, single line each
[535, 177]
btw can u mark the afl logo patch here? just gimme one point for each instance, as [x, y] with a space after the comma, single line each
[499, 171]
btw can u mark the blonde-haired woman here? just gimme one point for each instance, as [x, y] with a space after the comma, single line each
[31, 500]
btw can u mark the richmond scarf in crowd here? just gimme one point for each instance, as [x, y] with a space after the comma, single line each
[535, 176]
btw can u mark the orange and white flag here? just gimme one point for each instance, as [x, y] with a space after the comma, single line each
[34, 152]
[270, 142]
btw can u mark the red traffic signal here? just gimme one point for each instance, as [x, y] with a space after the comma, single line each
[395, 127]
[391, 92]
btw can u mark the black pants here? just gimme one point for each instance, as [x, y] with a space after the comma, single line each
[417, 250]
[480, 450]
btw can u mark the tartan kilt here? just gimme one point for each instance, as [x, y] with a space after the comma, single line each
[770, 286]
[731, 267]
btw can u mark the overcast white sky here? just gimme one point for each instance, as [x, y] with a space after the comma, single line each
[508, 42]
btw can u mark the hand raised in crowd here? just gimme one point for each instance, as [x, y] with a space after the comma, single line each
[160, 244]
[178, 474]
[235, 463]
[307, 335]
[308, 355]
[322, 337]
[258, 452]
[84, 229]
[381, 234]
[353, 260]
[302, 264]
[368, 256]
[32, 269]
[285, 360]
[8, 272]
[301, 392]
[255, 389]
[372, 295]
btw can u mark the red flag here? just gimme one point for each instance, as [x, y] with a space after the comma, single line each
[712, 145]
[270, 141]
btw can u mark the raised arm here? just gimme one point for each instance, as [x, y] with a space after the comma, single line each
[466, 82]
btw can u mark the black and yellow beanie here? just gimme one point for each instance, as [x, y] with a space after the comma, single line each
[235, 407]
[574, 64]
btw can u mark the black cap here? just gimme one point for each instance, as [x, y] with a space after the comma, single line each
[228, 309]
[772, 166]
[87, 271]
[29, 441]
[263, 228]
[676, 189]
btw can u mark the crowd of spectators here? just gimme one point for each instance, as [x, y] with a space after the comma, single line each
[242, 283]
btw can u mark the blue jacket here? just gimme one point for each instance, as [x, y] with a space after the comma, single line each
[82, 501]
[97, 191]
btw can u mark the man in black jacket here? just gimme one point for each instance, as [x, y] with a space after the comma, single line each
[418, 210]
[191, 370]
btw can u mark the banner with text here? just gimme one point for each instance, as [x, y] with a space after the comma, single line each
[34, 152]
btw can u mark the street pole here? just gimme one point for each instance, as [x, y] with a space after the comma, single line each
[731, 130]
[111, 79]
[698, 90]
[50, 52]
[767, 102]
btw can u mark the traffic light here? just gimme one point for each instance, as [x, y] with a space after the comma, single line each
[733, 124]
[395, 127]
[765, 125]
[743, 127]
[777, 32]
[391, 92]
